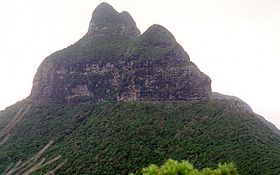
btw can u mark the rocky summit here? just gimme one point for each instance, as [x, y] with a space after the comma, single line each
[114, 61]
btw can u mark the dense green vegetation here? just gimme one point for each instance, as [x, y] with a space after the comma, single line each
[108, 36]
[173, 167]
[119, 138]
[35, 163]
[155, 43]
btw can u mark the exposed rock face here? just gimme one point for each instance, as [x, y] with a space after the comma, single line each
[113, 61]
[157, 68]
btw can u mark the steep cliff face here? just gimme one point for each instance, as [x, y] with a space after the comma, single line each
[113, 61]
[157, 68]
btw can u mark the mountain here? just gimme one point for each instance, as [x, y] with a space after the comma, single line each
[114, 62]
[118, 100]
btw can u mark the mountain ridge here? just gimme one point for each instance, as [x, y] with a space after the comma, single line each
[114, 61]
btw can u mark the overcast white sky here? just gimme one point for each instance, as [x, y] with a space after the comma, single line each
[237, 43]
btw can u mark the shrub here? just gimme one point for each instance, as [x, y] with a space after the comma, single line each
[173, 167]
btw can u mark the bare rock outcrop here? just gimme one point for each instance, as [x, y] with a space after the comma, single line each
[113, 61]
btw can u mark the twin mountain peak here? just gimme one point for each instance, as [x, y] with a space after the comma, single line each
[114, 61]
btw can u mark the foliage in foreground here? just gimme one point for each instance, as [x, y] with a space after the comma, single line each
[173, 167]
